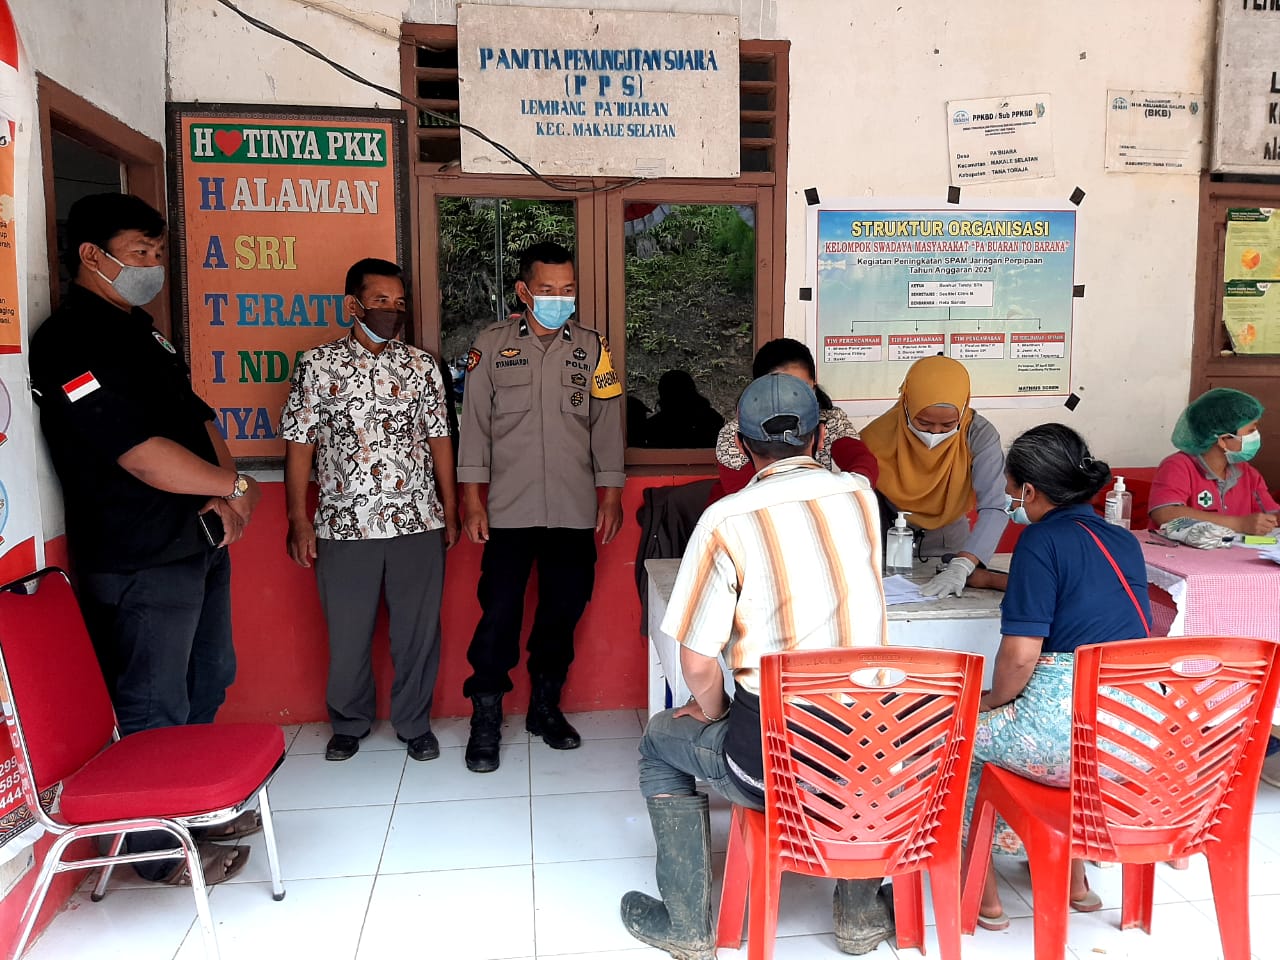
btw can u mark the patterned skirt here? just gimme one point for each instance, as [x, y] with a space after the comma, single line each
[1030, 735]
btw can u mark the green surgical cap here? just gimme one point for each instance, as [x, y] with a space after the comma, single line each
[1209, 416]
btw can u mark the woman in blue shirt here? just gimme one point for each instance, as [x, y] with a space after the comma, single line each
[1063, 592]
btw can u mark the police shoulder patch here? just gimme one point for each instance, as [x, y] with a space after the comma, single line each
[604, 381]
[473, 359]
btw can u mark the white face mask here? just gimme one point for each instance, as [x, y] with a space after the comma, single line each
[931, 440]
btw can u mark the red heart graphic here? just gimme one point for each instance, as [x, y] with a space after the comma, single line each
[228, 141]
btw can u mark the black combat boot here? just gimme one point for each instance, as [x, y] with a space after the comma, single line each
[486, 732]
[545, 719]
[863, 913]
[679, 923]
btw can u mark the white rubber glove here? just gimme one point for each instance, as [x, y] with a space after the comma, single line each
[951, 580]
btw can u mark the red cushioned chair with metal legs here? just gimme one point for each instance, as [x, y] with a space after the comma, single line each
[63, 730]
[1168, 738]
[866, 760]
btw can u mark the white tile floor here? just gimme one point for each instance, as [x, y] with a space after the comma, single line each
[385, 858]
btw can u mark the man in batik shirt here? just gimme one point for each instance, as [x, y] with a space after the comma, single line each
[370, 413]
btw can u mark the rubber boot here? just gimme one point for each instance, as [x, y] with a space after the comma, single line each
[545, 719]
[679, 923]
[863, 914]
[486, 732]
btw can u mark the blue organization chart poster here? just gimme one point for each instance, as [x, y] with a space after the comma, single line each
[992, 288]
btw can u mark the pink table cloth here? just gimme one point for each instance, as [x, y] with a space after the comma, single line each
[1227, 592]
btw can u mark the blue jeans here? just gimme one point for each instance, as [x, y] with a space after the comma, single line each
[163, 635]
[674, 753]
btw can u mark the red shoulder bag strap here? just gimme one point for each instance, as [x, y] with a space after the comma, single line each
[1120, 576]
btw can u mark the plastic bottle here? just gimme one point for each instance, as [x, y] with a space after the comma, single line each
[1119, 508]
[899, 544]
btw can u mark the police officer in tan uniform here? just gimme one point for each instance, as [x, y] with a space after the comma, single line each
[542, 427]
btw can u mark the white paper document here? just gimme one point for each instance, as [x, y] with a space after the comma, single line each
[898, 589]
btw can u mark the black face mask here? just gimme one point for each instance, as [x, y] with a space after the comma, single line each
[384, 324]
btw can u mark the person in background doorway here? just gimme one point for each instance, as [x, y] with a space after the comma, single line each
[370, 412]
[936, 456]
[1210, 477]
[685, 418]
[542, 428]
[841, 450]
[755, 580]
[1075, 579]
[152, 495]
[637, 417]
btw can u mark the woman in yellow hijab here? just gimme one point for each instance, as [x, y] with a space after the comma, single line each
[937, 457]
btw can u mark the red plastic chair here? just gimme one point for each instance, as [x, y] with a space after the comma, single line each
[866, 760]
[63, 729]
[1168, 738]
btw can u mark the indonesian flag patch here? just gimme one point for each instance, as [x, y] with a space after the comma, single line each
[81, 386]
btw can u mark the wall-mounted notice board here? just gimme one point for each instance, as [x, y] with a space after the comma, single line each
[269, 208]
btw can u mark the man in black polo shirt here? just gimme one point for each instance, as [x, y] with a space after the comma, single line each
[152, 494]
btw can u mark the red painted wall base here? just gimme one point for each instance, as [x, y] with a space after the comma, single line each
[281, 641]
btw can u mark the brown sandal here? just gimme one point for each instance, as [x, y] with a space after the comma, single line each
[245, 825]
[217, 861]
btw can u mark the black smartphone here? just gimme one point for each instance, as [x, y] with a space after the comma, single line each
[211, 524]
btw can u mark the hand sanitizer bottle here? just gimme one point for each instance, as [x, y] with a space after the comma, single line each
[1119, 508]
[898, 547]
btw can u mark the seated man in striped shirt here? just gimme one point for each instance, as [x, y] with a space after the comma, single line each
[792, 561]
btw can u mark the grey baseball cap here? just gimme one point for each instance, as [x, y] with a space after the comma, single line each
[777, 395]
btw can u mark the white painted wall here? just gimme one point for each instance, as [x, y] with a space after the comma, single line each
[215, 56]
[869, 82]
[112, 53]
[868, 94]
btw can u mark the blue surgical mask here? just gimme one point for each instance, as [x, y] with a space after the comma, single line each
[553, 312]
[1250, 444]
[1017, 514]
[369, 333]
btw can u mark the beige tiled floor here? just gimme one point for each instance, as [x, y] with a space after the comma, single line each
[386, 858]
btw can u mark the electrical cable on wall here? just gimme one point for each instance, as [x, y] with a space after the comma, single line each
[396, 95]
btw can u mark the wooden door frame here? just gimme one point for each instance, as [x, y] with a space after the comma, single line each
[65, 112]
[1207, 359]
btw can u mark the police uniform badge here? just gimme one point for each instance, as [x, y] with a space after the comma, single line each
[578, 380]
[577, 398]
[579, 354]
[509, 352]
[473, 359]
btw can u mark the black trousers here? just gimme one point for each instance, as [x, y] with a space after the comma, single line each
[566, 562]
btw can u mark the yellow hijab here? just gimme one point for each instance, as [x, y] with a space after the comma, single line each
[934, 485]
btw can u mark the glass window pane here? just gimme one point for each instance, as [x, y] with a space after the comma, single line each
[481, 239]
[690, 320]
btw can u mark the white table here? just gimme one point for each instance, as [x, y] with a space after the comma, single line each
[970, 623]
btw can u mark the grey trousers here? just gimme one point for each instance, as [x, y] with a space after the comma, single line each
[353, 575]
